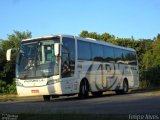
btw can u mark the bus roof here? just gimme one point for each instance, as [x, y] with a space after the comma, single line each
[39, 38]
[80, 38]
[104, 43]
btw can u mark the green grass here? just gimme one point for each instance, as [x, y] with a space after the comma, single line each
[7, 97]
[14, 97]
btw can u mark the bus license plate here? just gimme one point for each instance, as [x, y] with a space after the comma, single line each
[35, 91]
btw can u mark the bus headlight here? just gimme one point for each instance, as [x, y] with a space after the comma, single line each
[51, 82]
[19, 84]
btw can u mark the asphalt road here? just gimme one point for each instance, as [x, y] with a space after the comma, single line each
[134, 103]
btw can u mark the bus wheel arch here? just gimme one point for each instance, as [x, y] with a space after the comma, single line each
[84, 88]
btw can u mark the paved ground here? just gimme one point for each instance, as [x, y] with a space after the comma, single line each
[134, 103]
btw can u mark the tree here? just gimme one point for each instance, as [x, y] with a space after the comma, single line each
[156, 51]
[84, 34]
[151, 62]
[106, 37]
[151, 57]
[7, 69]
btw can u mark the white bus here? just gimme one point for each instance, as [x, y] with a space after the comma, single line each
[66, 65]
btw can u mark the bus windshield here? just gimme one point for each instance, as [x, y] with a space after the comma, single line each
[37, 59]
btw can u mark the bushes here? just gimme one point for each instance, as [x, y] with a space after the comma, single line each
[150, 77]
[144, 84]
[7, 88]
[2, 86]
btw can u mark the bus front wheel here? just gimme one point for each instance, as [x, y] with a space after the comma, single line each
[84, 89]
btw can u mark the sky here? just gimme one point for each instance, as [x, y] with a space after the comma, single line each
[122, 18]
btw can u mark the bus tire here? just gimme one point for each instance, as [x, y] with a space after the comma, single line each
[84, 89]
[46, 97]
[125, 88]
[97, 94]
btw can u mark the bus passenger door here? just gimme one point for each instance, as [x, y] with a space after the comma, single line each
[68, 65]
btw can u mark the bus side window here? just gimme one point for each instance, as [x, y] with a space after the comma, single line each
[108, 54]
[117, 55]
[97, 52]
[68, 57]
[84, 50]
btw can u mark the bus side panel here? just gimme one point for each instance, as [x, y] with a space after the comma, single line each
[107, 76]
[101, 76]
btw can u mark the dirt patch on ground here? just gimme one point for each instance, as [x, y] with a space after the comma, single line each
[5, 98]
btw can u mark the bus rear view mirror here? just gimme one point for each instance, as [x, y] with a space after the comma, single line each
[8, 54]
[56, 49]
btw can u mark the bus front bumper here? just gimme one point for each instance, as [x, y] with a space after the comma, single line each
[53, 89]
